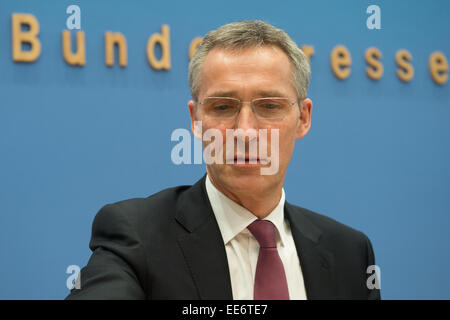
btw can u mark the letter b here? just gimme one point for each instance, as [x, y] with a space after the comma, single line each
[19, 37]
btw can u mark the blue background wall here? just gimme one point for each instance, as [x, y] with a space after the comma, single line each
[73, 139]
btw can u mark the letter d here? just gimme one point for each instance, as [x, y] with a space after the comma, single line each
[163, 39]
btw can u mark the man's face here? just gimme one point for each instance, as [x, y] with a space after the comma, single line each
[248, 74]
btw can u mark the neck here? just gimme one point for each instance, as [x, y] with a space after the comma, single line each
[259, 202]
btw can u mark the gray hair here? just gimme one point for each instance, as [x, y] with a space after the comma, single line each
[247, 34]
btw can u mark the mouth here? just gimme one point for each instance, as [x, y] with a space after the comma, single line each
[246, 161]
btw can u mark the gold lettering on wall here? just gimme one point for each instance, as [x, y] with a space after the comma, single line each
[193, 46]
[341, 62]
[163, 39]
[438, 67]
[112, 39]
[19, 37]
[405, 72]
[308, 51]
[79, 57]
[26, 47]
[374, 69]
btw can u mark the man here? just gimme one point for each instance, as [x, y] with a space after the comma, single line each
[232, 235]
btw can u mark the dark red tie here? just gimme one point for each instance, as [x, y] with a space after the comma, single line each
[270, 278]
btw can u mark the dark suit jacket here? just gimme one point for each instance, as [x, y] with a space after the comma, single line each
[169, 246]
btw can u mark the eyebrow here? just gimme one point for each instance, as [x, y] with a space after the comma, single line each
[270, 93]
[259, 93]
[224, 94]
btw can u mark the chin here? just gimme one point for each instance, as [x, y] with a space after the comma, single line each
[249, 179]
[242, 178]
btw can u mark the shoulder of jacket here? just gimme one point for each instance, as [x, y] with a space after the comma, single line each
[165, 199]
[329, 226]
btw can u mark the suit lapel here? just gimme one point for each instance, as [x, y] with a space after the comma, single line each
[317, 262]
[203, 247]
[204, 250]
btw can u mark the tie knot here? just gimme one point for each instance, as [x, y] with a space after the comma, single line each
[264, 232]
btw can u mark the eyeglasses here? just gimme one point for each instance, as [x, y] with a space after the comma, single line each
[263, 108]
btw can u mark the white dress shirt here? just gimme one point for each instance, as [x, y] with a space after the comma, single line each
[242, 248]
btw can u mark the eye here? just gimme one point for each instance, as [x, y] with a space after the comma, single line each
[222, 107]
[270, 106]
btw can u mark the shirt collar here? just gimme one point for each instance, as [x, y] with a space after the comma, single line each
[233, 218]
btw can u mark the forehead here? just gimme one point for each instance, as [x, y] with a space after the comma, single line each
[246, 71]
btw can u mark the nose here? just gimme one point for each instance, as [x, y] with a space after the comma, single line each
[246, 119]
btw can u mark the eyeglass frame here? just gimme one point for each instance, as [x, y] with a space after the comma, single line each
[298, 101]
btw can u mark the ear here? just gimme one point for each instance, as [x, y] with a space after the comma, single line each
[305, 118]
[195, 129]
